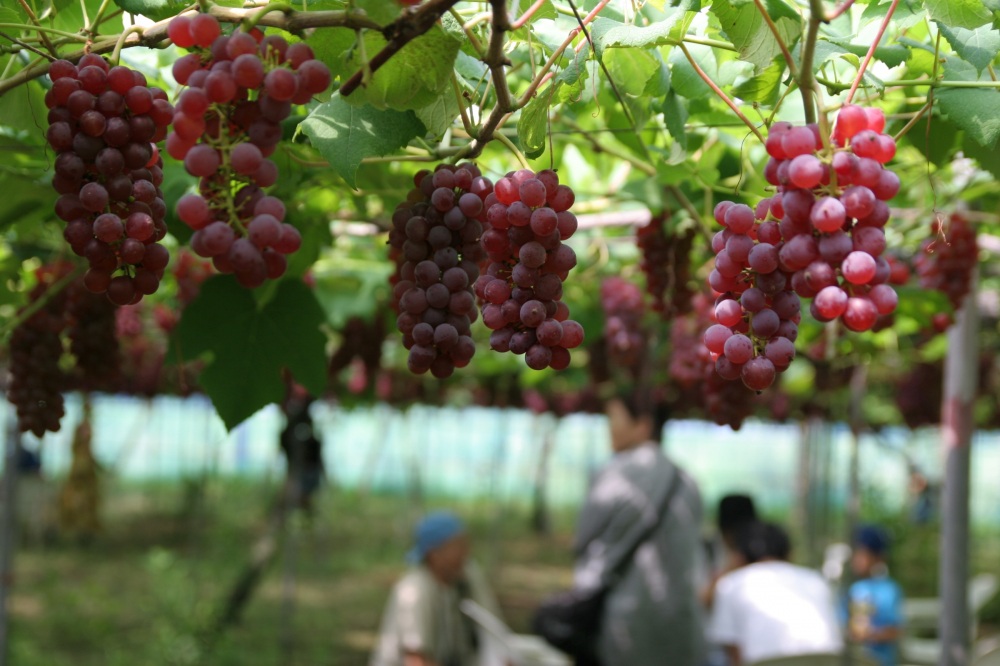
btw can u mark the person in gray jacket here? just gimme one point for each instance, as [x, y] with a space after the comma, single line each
[652, 615]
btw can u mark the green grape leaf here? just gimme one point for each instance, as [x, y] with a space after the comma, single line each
[439, 115]
[762, 88]
[978, 47]
[939, 144]
[250, 344]
[748, 31]
[631, 69]
[974, 110]
[959, 13]
[683, 77]
[892, 56]
[333, 47]
[154, 9]
[345, 134]
[532, 126]
[413, 77]
[607, 33]
[675, 115]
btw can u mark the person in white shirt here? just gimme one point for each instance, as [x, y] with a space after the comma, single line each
[422, 624]
[770, 607]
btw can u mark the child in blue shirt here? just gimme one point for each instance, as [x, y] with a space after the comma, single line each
[875, 602]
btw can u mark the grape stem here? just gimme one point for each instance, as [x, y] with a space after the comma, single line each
[156, 33]
[499, 136]
[253, 19]
[871, 50]
[31, 308]
[524, 18]
[718, 91]
[914, 120]
[34, 20]
[777, 36]
[398, 34]
[23, 45]
[839, 10]
[117, 53]
[806, 78]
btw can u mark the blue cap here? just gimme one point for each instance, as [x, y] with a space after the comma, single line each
[432, 531]
[872, 538]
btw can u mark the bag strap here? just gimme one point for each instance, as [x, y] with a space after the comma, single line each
[668, 498]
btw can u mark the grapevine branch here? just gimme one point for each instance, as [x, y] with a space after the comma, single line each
[871, 50]
[156, 33]
[838, 11]
[398, 34]
[34, 21]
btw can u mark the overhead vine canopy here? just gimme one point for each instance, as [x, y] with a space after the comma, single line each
[290, 169]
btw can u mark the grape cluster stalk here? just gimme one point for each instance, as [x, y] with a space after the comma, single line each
[821, 236]
[104, 123]
[434, 243]
[226, 126]
[947, 258]
[527, 218]
[666, 261]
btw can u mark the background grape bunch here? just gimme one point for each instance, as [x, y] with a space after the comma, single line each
[821, 236]
[624, 334]
[527, 218]
[103, 124]
[226, 125]
[435, 244]
[666, 261]
[947, 257]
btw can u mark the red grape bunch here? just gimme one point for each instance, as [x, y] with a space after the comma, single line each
[947, 257]
[527, 218]
[821, 236]
[227, 123]
[93, 341]
[36, 380]
[435, 243]
[756, 314]
[666, 261]
[623, 308]
[103, 124]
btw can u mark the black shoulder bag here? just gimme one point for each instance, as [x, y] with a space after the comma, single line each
[571, 620]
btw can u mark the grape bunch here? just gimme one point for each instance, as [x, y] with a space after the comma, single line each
[527, 218]
[104, 123]
[947, 257]
[821, 236]
[37, 381]
[226, 125]
[435, 244]
[623, 308]
[666, 261]
[92, 338]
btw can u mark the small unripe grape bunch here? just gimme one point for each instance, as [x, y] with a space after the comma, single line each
[227, 124]
[434, 243]
[947, 258]
[104, 123]
[527, 218]
[756, 313]
[830, 212]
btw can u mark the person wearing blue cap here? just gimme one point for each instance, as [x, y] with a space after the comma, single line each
[422, 624]
[875, 601]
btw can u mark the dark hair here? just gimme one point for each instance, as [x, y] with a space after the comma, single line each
[873, 538]
[757, 541]
[734, 510]
[639, 403]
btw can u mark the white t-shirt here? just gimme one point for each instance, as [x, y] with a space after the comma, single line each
[774, 609]
[423, 616]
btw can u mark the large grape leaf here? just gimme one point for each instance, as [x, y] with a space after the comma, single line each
[533, 122]
[750, 34]
[979, 47]
[345, 134]
[959, 13]
[249, 344]
[762, 88]
[607, 33]
[413, 77]
[976, 111]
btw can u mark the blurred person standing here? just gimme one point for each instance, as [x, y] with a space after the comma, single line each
[638, 537]
[874, 600]
[422, 624]
[769, 607]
